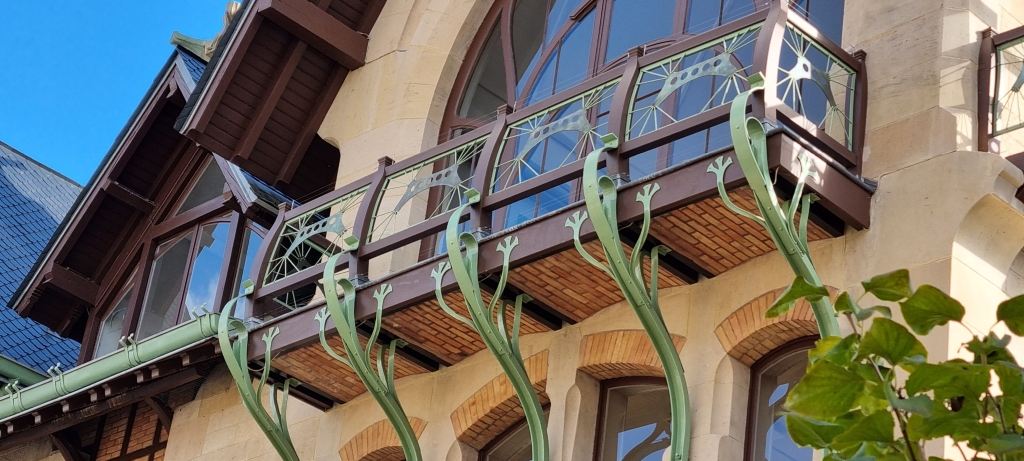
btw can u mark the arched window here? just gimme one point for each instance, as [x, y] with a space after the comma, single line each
[634, 420]
[512, 445]
[771, 379]
[528, 50]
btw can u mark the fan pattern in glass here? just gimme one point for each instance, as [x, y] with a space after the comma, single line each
[817, 85]
[554, 138]
[425, 190]
[314, 236]
[1009, 99]
[691, 83]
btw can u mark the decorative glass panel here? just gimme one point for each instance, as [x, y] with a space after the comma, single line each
[209, 186]
[486, 89]
[112, 327]
[425, 190]
[160, 309]
[773, 383]
[204, 281]
[553, 138]
[250, 246]
[636, 423]
[817, 85]
[314, 236]
[691, 83]
[1009, 99]
[635, 23]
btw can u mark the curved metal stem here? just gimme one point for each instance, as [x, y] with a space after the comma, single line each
[750, 142]
[273, 423]
[378, 378]
[601, 201]
[490, 323]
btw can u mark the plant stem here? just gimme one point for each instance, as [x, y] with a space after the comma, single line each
[899, 415]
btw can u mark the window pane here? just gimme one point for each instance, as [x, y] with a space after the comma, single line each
[206, 269]
[559, 13]
[209, 186]
[825, 15]
[637, 22]
[112, 326]
[160, 310]
[250, 244]
[771, 441]
[486, 89]
[515, 447]
[527, 36]
[574, 55]
[735, 9]
[636, 425]
[702, 16]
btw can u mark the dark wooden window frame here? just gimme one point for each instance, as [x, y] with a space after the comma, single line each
[602, 401]
[486, 450]
[806, 343]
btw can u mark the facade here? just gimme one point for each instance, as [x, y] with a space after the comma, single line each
[351, 140]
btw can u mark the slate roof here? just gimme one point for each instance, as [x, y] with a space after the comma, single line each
[33, 201]
[195, 65]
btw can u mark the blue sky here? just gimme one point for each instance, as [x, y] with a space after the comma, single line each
[72, 72]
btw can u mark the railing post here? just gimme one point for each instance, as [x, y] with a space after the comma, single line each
[750, 143]
[601, 198]
[358, 266]
[985, 89]
[860, 108]
[618, 119]
[767, 53]
[480, 220]
[258, 273]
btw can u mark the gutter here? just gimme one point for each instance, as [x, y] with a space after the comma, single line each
[14, 371]
[134, 355]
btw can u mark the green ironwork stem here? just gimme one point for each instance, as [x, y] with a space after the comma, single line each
[275, 422]
[379, 379]
[489, 319]
[750, 143]
[601, 198]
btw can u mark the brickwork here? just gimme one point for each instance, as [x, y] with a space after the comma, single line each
[419, 325]
[711, 235]
[747, 335]
[138, 423]
[620, 354]
[495, 407]
[565, 281]
[313, 366]
[378, 442]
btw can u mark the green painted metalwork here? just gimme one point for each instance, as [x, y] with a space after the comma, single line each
[18, 374]
[15, 401]
[601, 200]
[778, 218]
[490, 320]
[378, 378]
[275, 422]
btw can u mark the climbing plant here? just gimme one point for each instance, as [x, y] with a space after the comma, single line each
[873, 395]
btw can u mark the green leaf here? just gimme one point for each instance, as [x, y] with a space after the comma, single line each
[876, 427]
[920, 404]
[845, 304]
[1004, 443]
[890, 341]
[990, 350]
[1011, 378]
[825, 392]
[1011, 312]
[834, 349]
[809, 432]
[929, 307]
[797, 290]
[954, 378]
[892, 286]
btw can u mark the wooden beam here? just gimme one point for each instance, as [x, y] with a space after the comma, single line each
[72, 284]
[68, 449]
[279, 83]
[163, 412]
[130, 197]
[317, 28]
[309, 128]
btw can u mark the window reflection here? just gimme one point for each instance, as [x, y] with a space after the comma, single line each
[773, 379]
[206, 268]
[160, 309]
[209, 186]
[250, 244]
[513, 445]
[486, 89]
[112, 326]
[634, 24]
[636, 422]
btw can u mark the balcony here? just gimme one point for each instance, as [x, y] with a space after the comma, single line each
[669, 108]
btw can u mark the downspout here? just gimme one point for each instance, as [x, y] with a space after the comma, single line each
[16, 372]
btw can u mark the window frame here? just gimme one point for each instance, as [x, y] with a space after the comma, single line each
[602, 402]
[771, 358]
[495, 442]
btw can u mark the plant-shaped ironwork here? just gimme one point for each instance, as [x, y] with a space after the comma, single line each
[490, 319]
[376, 375]
[273, 423]
[601, 201]
[778, 218]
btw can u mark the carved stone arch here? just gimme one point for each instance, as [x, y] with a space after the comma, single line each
[379, 442]
[620, 354]
[495, 408]
[747, 335]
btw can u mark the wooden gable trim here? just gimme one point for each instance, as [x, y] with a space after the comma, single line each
[316, 27]
[71, 284]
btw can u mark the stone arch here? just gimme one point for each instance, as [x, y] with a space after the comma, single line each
[989, 239]
[494, 408]
[621, 353]
[379, 442]
[747, 335]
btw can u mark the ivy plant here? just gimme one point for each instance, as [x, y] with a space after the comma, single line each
[873, 395]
